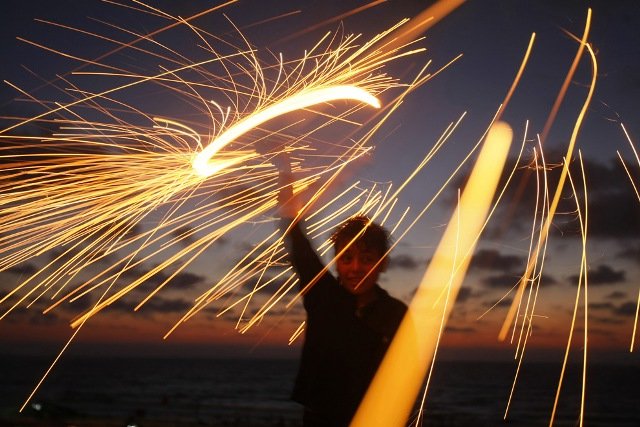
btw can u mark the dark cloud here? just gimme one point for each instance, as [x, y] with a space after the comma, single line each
[491, 259]
[506, 302]
[614, 216]
[613, 209]
[80, 305]
[601, 276]
[508, 280]
[627, 309]
[32, 315]
[630, 252]
[184, 234]
[403, 262]
[616, 295]
[606, 320]
[26, 269]
[183, 280]
[156, 305]
[614, 212]
[601, 306]
[164, 305]
[464, 294]
[547, 280]
[187, 235]
[501, 281]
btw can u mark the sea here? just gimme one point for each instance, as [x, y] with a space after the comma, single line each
[145, 392]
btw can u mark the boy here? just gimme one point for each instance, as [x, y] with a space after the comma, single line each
[350, 319]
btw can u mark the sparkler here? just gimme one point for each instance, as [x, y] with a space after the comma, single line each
[86, 190]
[82, 195]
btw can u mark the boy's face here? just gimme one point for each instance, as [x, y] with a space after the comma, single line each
[354, 265]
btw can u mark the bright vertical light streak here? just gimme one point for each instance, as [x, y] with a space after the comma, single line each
[635, 188]
[558, 193]
[635, 325]
[528, 318]
[581, 279]
[568, 79]
[297, 332]
[516, 80]
[411, 351]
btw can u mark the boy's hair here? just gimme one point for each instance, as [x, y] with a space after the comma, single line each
[374, 236]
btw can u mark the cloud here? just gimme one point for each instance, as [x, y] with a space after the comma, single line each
[183, 280]
[602, 276]
[165, 305]
[613, 209]
[614, 212]
[403, 262]
[508, 280]
[614, 216]
[627, 309]
[606, 320]
[506, 302]
[631, 253]
[616, 295]
[491, 259]
[156, 305]
[501, 281]
[187, 235]
[32, 315]
[601, 306]
[25, 269]
[464, 294]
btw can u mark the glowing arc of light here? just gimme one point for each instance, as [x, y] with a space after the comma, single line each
[305, 99]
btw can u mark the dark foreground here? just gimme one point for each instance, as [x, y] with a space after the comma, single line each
[118, 392]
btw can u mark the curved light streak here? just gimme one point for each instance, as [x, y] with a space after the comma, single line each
[204, 168]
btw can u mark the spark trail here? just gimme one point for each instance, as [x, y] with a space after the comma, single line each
[104, 196]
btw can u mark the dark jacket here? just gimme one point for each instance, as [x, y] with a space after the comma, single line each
[342, 347]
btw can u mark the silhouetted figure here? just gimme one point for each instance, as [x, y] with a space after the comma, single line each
[350, 318]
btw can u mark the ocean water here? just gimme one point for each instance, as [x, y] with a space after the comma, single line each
[94, 391]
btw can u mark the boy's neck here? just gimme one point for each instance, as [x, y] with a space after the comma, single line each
[365, 299]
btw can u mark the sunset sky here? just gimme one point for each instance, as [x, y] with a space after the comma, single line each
[492, 37]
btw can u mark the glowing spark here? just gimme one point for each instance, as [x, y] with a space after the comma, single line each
[297, 332]
[635, 325]
[581, 280]
[635, 189]
[574, 135]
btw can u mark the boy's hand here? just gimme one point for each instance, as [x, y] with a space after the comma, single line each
[288, 204]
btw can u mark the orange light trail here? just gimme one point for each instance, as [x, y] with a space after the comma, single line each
[635, 189]
[509, 319]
